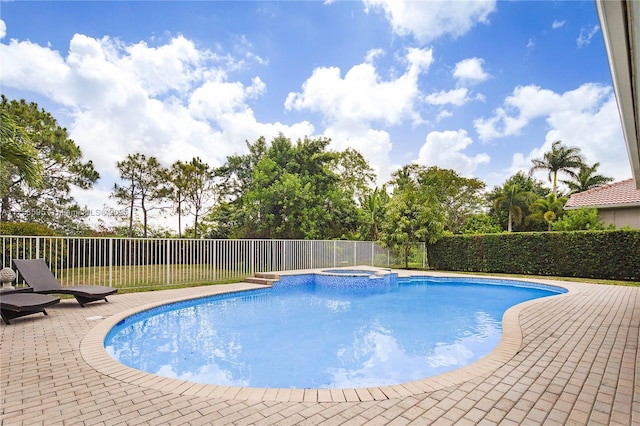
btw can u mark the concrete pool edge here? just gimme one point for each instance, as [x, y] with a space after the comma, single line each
[93, 352]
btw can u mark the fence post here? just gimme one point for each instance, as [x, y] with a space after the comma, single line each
[355, 253]
[372, 253]
[37, 247]
[424, 255]
[167, 258]
[110, 262]
[252, 253]
[334, 253]
[214, 259]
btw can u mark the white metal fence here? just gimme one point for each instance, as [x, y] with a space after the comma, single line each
[153, 262]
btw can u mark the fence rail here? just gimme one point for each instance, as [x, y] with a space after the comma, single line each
[153, 262]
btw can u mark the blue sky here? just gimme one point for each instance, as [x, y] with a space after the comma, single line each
[480, 87]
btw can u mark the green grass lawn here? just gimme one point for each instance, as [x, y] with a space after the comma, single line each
[149, 277]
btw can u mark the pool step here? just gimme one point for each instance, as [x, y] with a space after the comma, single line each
[263, 278]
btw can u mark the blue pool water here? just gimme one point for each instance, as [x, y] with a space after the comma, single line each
[313, 331]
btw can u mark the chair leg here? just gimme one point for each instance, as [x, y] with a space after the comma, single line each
[82, 300]
[8, 315]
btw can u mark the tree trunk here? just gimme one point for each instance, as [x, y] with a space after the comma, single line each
[131, 216]
[179, 219]
[4, 209]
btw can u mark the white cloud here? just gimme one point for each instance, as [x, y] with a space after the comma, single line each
[597, 131]
[215, 98]
[170, 67]
[429, 20]
[3, 29]
[352, 105]
[173, 101]
[470, 71]
[586, 117]
[455, 97]
[372, 54]
[445, 149]
[557, 24]
[586, 34]
[531, 102]
[443, 114]
[375, 145]
[28, 66]
[362, 95]
[531, 44]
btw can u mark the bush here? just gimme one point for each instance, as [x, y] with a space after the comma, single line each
[580, 219]
[609, 254]
[26, 229]
[32, 245]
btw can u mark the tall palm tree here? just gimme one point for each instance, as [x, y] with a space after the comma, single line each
[513, 197]
[560, 159]
[586, 179]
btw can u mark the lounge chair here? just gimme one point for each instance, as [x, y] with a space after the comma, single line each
[18, 303]
[37, 275]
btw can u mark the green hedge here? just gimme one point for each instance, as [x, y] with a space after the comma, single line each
[586, 254]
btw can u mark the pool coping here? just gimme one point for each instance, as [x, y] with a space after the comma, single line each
[94, 354]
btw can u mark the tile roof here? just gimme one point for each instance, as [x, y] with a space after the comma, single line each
[617, 194]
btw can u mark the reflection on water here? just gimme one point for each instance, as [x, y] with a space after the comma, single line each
[319, 340]
[377, 358]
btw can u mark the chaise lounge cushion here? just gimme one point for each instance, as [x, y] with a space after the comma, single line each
[14, 304]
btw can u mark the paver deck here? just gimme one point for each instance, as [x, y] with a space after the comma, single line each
[565, 360]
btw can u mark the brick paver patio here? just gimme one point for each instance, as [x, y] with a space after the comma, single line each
[566, 360]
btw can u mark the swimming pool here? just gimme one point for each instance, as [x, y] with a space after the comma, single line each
[323, 331]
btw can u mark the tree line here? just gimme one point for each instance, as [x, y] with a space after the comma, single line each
[281, 189]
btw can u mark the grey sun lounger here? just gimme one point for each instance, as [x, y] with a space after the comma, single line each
[37, 275]
[15, 304]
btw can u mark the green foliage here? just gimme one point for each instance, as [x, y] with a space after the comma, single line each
[51, 249]
[190, 187]
[460, 197]
[584, 218]
[356, 175]
[586, 179]
[594, 254]
[502, 200]
[547, 209]
[287, 190]
[17, 151]
[560, 159]
[514, 199]
[372, 213]
[143, 177]
[414, 213]
[199, 191]
[481, 223]
[26, 229]
[60, 161]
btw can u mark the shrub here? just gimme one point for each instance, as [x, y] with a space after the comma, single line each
[580, 219]
[609, 254]
[25, 229]
[31, 246]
